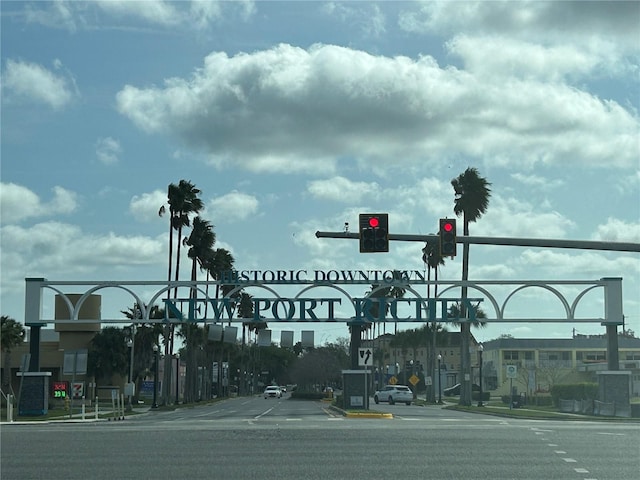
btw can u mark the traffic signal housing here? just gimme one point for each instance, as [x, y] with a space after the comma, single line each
[374, 232]
[447, 236]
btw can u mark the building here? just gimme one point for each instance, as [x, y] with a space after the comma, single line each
[392, 360]
[541, 363]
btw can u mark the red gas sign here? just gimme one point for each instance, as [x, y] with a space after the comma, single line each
[60, 389]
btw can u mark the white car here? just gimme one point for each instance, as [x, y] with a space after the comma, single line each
[393, 394]
[272, 391]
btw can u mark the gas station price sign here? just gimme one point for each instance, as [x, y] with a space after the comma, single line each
[60, 389]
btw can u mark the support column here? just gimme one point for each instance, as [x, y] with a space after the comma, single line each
[613, 360]
[613, 317]
[33, 318]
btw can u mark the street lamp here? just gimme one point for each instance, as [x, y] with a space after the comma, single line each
[439, 379]
[130, 345]
[480, 350]
[177, 377]
[156, 353]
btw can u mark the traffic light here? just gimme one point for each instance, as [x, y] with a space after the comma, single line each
[447, 235]
[374, 232]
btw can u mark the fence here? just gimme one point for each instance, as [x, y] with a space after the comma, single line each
[595, 407]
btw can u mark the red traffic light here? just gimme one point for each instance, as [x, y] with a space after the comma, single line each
[447, 227]
[374, 222]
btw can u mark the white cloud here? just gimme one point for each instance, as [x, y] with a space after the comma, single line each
[19, 203]
[34, 253]
[145, 207]
[537, 181]
[233, 206]
[341, 189]
[289, 110]
[35, 83]
[108, 150]
[588, 264]
[616, 230]
[544, 22]
[360, 16]
[73, 15]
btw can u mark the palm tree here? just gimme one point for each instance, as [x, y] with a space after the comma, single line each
[472, 195]
[146, 336]
[183, 201]
[376, 291]
[433, 259]
[12, 335]
[200, 243]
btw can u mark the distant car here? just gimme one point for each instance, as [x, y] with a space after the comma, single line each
[393, 394]
[283, 388]
[455, 390]
[272, 391]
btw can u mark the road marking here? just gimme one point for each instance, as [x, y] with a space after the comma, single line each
[613, 434]
[570, 460]
[581, 470]
[552, 444]
[257, 417]
[294, 419]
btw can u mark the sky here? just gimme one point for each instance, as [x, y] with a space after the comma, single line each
[294, 117]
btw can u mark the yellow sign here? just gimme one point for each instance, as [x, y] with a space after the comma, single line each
[393, 380]
[414, 379]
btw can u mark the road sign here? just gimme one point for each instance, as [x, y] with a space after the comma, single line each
[365, 357]
[512, 371]
[414, 379]
[393, 380]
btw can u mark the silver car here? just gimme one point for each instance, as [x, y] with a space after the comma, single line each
[393, 394]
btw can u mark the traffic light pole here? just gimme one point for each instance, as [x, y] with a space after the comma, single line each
[517, 242]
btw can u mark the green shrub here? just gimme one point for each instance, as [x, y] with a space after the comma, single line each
[577, 391]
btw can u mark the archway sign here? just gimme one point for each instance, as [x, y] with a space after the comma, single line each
[193, 303]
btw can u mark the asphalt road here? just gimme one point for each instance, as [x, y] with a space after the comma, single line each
[246, 438]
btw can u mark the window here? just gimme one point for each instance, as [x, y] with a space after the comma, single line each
[510, 355]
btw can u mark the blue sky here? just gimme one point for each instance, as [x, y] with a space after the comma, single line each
[293, 117]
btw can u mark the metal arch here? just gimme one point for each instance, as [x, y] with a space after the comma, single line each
[576, 300]
[190, 285]
[64, 297]
[239, 288]
[483, 290]
[546, 287]
[352, 301]
[335, 287]
[89, 292]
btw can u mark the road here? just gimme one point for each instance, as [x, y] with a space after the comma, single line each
[243, 438]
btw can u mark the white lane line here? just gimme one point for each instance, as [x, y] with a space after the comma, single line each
[570, 460]
[257, 417]
[560, 452]
[581, 470]
[552, 444]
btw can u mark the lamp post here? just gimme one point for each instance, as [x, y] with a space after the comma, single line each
[130, 345]
[156, 352]
[480, 350]
[177, 378]
[439, 379]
